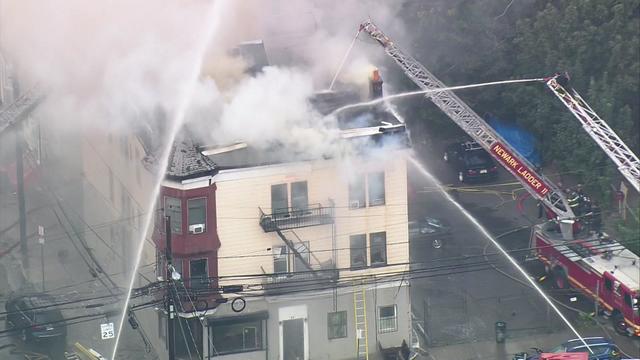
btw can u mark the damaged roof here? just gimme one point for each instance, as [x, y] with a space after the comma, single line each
[187, 162]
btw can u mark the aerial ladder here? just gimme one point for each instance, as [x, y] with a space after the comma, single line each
[20, 108]
[626, 161]
[536, 184]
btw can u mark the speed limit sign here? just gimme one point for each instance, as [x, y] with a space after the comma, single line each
[106, 331]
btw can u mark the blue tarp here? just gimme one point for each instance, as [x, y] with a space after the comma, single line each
[521, 140]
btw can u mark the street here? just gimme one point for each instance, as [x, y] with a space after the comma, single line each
[458, 308]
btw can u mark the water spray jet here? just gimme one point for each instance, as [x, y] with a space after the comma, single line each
[430, 91]
[486, 234]
[175, 125]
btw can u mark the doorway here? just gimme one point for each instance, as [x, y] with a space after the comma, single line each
[293, 339]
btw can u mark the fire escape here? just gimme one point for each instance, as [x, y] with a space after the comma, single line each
[307, 265]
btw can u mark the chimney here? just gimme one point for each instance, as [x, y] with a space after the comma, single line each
[375, 85]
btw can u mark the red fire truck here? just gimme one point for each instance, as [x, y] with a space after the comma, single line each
[603, 269]
[598, 266]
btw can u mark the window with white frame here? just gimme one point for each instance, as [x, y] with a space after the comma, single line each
[357, 195]
[376, 188]
[378, 248]
[197, 215]
[358, 251]
[387, 319]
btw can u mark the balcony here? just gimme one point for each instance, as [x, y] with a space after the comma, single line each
[318, 279]
[294, 218]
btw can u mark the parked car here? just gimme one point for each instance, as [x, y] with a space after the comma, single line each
[470, 161]
[429, 228]
[603, 349]
[35, 317]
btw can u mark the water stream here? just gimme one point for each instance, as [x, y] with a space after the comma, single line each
[486, 234]
[174, 126]
[430, 91]
[344, 59]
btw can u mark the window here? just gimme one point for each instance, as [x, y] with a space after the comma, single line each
[358, 251]
[279, 200]
[177, 265]
[378, 248]
[303, 249]
[241, 336]
[198, 273]
[627, 299]
[607, 284]
[299, 198]
[356, 193]
[197, 215]
[376, 188]
[387, 319]
[337, 324]
[173, 208]
[280, 259]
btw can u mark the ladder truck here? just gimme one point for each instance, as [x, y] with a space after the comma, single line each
[601, 268]
[626, 161]
[536, 184]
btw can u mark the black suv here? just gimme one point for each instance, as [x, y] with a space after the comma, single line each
[471, 161]
[35, 317]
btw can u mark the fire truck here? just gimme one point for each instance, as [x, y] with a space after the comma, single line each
[600, 267]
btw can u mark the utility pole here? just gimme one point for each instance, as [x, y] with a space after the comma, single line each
[170, 302]
[21, 202]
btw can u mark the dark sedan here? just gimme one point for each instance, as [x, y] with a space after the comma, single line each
[470, 161]
[35, 317]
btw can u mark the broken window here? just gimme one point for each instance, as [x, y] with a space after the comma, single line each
[173, 209]
[358, 251]
[197, 215]
[198, 273]
[280, 259]
[357, 193]
[299, 197]
[378, 248]
[279, 200]
[337, 324]
[376, 188]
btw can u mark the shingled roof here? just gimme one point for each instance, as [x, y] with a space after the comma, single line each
[186, 161]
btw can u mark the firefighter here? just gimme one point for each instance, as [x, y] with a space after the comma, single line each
[596, 218]
[574, 201]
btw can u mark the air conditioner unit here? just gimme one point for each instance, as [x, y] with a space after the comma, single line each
[377, 202]
[354, 204]
[196, 229]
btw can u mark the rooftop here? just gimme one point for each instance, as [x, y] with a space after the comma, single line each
[186, 161]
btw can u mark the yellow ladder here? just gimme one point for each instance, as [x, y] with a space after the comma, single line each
[360, 312]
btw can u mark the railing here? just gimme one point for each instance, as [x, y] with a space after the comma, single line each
[304, 280]
[293, 218]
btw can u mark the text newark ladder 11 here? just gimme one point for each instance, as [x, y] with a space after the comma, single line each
[536, 184]
[360, 311]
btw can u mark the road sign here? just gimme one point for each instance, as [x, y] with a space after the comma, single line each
[106, 331]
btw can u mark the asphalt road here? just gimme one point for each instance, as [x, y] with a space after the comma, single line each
[462, 302]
